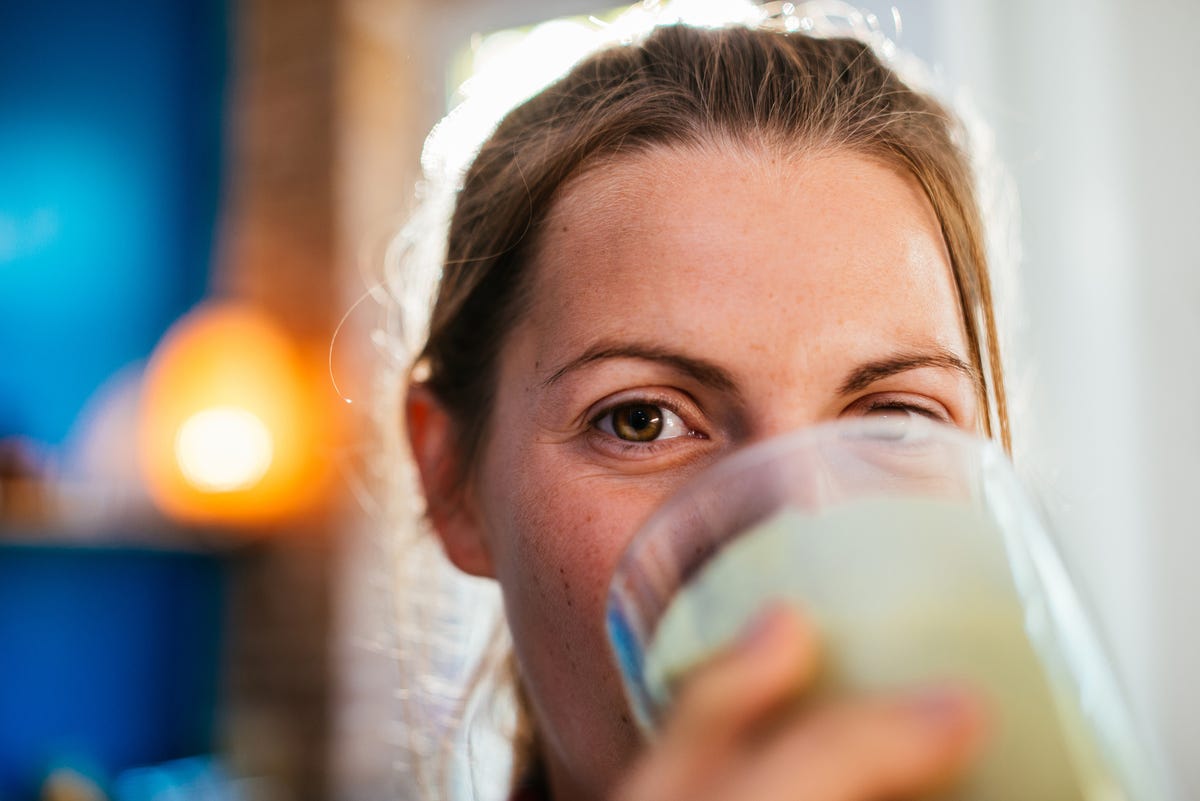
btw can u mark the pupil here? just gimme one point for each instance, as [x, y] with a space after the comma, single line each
[640, 423]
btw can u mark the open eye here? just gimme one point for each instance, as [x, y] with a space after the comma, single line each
[641, 422]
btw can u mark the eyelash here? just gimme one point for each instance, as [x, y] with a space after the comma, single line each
[885, 402]
[651, 447]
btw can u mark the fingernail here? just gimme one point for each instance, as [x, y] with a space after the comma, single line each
[760, 629]
[942, 706]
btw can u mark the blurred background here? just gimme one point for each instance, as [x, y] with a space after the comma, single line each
[193, 194]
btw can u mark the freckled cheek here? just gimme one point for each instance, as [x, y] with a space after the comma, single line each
[563, 537]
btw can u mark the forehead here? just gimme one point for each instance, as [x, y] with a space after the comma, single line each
[740, 250]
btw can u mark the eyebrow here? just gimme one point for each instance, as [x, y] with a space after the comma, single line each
[718, 378]
[864, 375]
[703, 371]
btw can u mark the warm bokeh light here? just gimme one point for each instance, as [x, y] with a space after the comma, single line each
[230, 429]
[224, 449]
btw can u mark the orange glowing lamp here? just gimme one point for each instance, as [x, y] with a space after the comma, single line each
[230, 431]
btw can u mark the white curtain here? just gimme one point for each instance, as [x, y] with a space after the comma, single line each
[1096, 111]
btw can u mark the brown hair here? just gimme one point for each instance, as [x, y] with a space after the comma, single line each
[684, 85]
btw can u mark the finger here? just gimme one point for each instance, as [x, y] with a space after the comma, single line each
[767, 667]
[720, 701]
[869, 750]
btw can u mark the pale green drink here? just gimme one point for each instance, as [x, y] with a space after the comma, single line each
[906, 591]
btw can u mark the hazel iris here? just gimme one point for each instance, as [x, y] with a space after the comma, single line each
[637, 422]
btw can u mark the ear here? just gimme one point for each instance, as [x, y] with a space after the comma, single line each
[449, 505]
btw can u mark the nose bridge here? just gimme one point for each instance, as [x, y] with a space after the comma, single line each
[786, 388]
[783, 409]
[793, 477]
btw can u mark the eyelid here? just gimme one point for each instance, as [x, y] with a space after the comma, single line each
[652, 452]
[688, 412]
[677, 425]
[920, 404]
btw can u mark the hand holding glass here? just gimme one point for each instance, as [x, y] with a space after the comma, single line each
[921, 559]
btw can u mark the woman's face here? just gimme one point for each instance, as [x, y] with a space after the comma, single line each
[686, 302]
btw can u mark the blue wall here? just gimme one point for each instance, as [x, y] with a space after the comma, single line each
[111, 119]
[108, 660]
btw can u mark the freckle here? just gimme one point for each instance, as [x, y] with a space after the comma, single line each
[570, 602]
[625, 718]
[564, 229]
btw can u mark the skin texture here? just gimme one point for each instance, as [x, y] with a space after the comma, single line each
[741, 292]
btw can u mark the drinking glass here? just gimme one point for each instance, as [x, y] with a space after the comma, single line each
[921, 559]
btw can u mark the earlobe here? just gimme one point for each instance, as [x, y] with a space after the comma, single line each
[431, 434]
